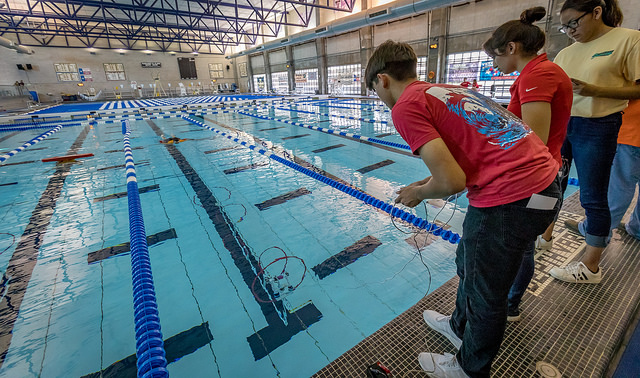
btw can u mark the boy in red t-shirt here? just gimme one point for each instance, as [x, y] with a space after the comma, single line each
[466, 140]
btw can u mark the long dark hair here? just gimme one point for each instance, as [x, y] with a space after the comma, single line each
[611, 13]
[522, 31]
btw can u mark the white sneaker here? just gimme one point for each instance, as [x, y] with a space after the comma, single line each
[440, 323]
[576, 272]
[543, 245]
[441, 366]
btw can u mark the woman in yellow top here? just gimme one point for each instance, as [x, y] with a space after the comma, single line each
[604, 65]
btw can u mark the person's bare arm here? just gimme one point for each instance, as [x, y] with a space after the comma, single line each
[538, 116]
[447, 177]
[620, 93]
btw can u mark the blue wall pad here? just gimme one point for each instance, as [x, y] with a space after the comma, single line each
[349, 255]
[282, 199]
[119, 249]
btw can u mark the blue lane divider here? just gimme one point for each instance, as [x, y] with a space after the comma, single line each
[42, 123]
[30, 143]
[152, 361]
[436, 230]
[36, 125]
[573, 181]
[331, 131]
[335, 115]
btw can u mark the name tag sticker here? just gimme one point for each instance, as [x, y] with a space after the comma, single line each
[540, 202]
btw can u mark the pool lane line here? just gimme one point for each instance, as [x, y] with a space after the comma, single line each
[30, 143]
[333, 131]
[150, 353]
[334, 115]
[351, 190]
[25, 256]
[282, 324]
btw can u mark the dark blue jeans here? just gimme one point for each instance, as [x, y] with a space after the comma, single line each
[591, 143]
[487, 259]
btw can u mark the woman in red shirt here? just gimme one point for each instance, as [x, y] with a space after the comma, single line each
[541, 97]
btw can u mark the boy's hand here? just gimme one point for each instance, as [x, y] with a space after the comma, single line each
[408, 195]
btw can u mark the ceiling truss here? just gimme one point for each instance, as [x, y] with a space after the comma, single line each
[159, 25]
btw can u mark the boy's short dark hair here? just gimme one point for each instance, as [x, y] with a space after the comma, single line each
[396, 59]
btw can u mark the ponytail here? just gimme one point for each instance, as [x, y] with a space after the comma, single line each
[522, 31]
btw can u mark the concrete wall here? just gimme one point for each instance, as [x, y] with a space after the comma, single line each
[43, 76]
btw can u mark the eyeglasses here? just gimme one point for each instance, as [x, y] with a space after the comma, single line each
[573, 24]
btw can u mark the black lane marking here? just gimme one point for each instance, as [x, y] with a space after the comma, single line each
[141, 190]
[25, 256]
[9, 183]
[324, 120]
[275, 333]
[114, 132]
[272, 128]
[22, 162]
[282, 199]
[375, 166]
[295, 136]
[244, 168]
[36, 149]
[9, 136]
[220, 150]
[383, 135]
[327, 148]
[119, 249]
[112, 151]
[349, 255]
[138, 164]
[176, 347]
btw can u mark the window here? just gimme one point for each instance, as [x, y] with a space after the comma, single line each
[422, 68]
[280, 82]
[215, 70]
[307, 81]
[67, 71]
[259, 84]
[478, 65]
[114, 71]
[344, 80]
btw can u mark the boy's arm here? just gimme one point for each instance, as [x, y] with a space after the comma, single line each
[447, 177]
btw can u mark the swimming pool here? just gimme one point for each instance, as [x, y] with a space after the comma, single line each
[227, 228]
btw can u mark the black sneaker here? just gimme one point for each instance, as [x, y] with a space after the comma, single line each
[513, 314]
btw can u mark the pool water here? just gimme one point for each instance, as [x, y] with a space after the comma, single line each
[259, 270]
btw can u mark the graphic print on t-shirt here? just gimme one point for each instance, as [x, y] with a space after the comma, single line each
[489, 118]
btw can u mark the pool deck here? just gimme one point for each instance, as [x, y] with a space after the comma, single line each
[576, 328]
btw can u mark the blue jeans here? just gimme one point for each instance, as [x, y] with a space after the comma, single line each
[487, 259]
[591, 143]
[625, 175]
